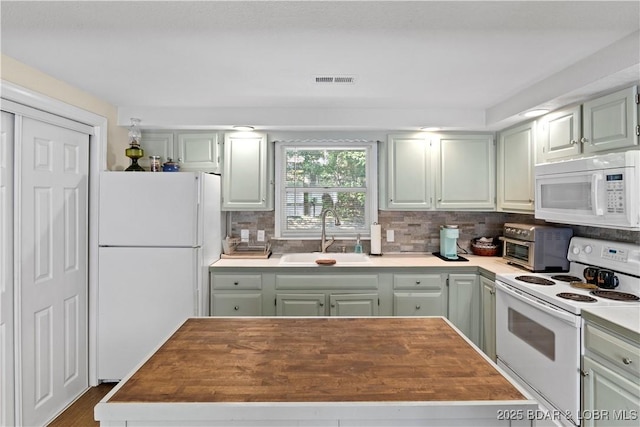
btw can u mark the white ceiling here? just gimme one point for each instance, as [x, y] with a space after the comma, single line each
[463, 65]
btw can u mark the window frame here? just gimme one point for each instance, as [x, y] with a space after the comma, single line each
[371, 192]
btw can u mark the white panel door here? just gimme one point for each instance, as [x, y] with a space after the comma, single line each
[53, 273]
[7, 369]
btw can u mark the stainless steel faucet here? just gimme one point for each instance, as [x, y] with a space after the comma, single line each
[324, 244]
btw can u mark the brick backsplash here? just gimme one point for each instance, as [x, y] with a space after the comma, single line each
[415, 231]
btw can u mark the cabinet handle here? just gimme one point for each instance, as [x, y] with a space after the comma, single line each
[584, 373]
[236, 308]
[530, 200]
[333, 306]
[492, 292]
[573, 142]
[236, 283]
[417, 307]
[626, 361]
[417, 282]
[321, 304]
[584, 140]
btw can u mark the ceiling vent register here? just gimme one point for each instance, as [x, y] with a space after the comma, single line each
[335, 79]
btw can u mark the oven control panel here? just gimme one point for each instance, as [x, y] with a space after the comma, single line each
[618, 256]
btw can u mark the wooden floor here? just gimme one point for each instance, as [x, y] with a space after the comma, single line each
[80, 413]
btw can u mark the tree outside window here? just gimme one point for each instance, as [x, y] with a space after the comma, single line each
[317, 177]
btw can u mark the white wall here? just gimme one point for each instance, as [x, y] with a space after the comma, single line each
[23, 75]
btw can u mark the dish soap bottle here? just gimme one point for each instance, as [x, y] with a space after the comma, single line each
[358, 247]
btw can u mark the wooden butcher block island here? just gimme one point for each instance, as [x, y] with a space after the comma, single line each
[265, 371]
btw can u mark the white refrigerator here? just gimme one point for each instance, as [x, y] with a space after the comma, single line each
[158, 234]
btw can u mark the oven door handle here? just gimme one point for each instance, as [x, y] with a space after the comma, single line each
[540, 305]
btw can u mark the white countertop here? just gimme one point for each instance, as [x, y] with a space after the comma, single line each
[627, 318]
[494, 265]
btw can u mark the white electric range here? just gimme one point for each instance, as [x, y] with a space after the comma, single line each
[538, 323]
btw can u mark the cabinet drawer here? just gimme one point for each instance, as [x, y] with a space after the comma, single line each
[614, 349]
[417, 281]
[418, 304]
[249, 304]
[236, 281]
[329, 281]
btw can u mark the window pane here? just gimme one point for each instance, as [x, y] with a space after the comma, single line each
[304, 206]
[325, 167]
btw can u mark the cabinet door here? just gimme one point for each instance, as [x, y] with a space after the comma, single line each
[516, 148]
[610, 122]
[488, 337]
[419, 304]
[465, 172]
[249, 304]
[300, 305]
[157, 144]
[606, 390]
[198, 151]
[245, 179]
[409, 186]
[353, 304]
[464, 304]
[560, 134]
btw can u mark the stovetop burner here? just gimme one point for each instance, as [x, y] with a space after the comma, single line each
[576, 297]
[535, 280]
[615, 295]
[566, 278]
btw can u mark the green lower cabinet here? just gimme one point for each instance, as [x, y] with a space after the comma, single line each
[301, 305]
[418, 304]
[488, 336]
[419, 294]
[241, 304]
[314, 304]
[610, 399]
[464, 305]
[370, 292]
[354, 304]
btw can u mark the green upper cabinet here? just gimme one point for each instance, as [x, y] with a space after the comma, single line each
[608, 123]
[247, 179]
[465, 172]
[406, 168]
[193, 150]
[559, 134]
[515, 162]
[199, 151]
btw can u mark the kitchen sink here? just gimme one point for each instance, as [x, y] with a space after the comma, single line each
[309, 258]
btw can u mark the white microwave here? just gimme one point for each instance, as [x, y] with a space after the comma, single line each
[599, 191]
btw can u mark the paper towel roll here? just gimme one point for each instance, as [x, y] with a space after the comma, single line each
[376, 239]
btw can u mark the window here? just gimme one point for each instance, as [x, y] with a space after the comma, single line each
[315, 175]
